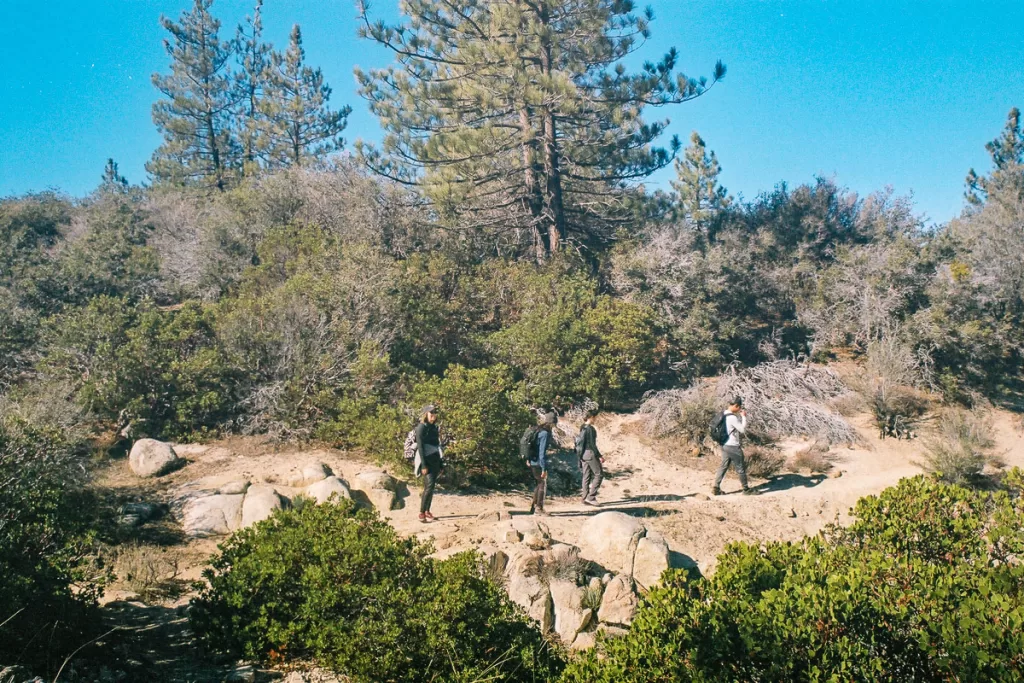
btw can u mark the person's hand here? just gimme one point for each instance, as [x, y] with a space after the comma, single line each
[425, 472]
[743, 412]
[602, 460]
[544, 474]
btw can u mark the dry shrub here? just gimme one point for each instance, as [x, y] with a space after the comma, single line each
[782, 398]
[957, 451]
[568, 566]
[849, 404]
[763, 462]
[146, 570]
[815, 458]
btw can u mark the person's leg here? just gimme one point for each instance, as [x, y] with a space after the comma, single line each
[542, 490]
[721, 469]
[595, 484]
[429, 481]
[740, 466]
[537, 501]
[587, 474]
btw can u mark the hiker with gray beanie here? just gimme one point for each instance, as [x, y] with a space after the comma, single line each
[728, 430]
[428, 459]
[537, 440]
[591, 460]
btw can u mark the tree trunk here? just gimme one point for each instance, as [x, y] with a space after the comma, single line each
[554, 207]
[534, 199]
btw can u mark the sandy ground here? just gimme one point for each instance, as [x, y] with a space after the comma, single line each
[670, 491]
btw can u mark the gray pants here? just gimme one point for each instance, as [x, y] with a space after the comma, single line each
[593, 474]
[542, 487]
[733, 455]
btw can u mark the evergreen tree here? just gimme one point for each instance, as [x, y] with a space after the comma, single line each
[700, 197]
[255, 59]
[195, 118]
[300, 125]
[1007, 152]
[112, 180]
[518, 115]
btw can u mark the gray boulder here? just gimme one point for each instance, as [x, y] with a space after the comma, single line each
[611, 539]
[584, 641]
[152, 458]
[530, 593]
[618, 606]
[260, 502]
[571, 616]
[308, 474]
[651, 560]
[375, 480]
[325, 489]
[234, 487]
[216, 515]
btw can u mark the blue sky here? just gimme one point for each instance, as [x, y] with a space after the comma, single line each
[871, 92]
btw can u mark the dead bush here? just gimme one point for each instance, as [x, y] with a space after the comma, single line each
[815, 458]
[567, 566]
[957, 451]
[763, 462]
[897, 412]
[146, 570]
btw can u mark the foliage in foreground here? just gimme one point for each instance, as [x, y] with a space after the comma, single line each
[340, 586]
[926, 585]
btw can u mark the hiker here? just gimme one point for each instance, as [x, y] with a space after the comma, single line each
[537, 439]
[428, 459]
[728, 431]
[591, 460]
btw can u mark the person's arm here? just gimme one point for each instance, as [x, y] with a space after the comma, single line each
[597, 451]
[735, 424]
[420, 429]
[542, 448]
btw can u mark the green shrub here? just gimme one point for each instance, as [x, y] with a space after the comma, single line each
[340, 586]
[481, 421]
[46, 593]
[957, 451]
[921, 587]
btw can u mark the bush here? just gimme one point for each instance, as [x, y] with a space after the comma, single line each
[340, 586]
[918, 588]
[956, 453]
[814, 458]
[763, 462]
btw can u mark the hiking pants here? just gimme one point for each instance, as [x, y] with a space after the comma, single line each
[733, 455]
[593, 474]
[542, 487]
[432, 463]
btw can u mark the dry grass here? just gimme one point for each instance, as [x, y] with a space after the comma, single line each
[958, 450]
[146, 570]
[763, 462]
[815, 458]
[568, 566]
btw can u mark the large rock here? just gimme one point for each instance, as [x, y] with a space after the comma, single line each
[383, 500]
[375, 480]
[216, 515]
[618, 606]
[495, 560]
[585, 641]
[260, 502]
[151, 458]
[571, 616]
[651, 560]
[530, 593]
[234, 487]
[323, 490]
[309, 474]
[611, 539]
[536, 535]
[523, 562]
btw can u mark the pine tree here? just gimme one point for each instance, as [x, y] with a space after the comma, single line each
[300, 124]
[518, 116]
[1007, 152]
[195, 118]
[699, 196]
[112, 180]
[255, 59]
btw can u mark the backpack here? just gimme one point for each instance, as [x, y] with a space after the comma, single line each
[580, 445]
[409, 449]
[719, 431]
[528, 444]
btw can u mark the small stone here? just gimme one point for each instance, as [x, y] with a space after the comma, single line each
[493, 516]
[837, 474]
[509, 536]
[535, 540]
[245, 673]
[792, 513]
[126, 521]
[607, 578]
[701, 496]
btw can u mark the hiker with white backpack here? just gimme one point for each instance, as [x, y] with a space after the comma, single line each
[427, 462]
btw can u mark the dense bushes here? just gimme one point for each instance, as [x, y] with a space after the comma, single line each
[923, 586]
[339, 586]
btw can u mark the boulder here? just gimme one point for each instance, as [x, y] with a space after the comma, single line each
[610, 539]
[507, 535]
[610, 631]
[234, 487]
[523, 562]
[584, 641]
[309, 474]
[151, 458]
[323, 490]
[260, 502]
[618, 606]
[651, 560]
[530, 593]
[571, 616]
[536, 535]
[375, 480]
[495, 560]
[216, 515]
[493, 516]
[382, 499]
[243, 673]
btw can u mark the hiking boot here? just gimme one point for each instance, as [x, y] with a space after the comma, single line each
[541, 512]
[429, 516]
[423, 518]
[590, 501]
[751, 492]
[716, 491]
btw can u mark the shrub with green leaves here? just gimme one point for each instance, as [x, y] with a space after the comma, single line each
[923, 586]
[339, 586]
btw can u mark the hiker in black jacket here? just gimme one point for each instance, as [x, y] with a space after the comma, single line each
[428, 459]
[591, 460]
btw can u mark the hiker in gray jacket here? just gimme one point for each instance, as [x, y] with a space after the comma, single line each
[428, 459]
[591, 460]
[732, 449]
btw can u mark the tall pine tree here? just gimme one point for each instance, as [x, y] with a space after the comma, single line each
[300, 126]
[195, 118]
[519, 115]
[699, 195]
[1007, 152]
[255, 59]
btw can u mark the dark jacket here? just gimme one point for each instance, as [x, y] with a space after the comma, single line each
[426, 435]
[590, 440]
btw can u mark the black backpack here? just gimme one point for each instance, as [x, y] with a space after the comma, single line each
[719, 431]
[528, 444]
[581, 441]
